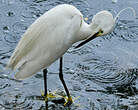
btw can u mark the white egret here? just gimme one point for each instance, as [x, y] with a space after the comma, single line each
[51, 35]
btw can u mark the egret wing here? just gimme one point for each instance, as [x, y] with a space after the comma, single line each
[47, 39]
[27, 42]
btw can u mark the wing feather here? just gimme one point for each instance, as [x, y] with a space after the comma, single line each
[27, 41]
[47, 39]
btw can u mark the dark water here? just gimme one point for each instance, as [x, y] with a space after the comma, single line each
[104, 73]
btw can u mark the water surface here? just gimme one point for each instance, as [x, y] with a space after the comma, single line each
[104, 72]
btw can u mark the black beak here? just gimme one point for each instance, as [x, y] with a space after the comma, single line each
[87, 40]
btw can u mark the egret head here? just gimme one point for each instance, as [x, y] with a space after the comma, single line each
[102, 24]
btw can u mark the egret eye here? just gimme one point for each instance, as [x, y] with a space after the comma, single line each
[101, 31]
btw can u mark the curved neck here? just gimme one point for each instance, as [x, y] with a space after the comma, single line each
[85, 31]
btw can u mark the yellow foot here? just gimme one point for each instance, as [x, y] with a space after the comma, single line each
[69, 101]
[50, 95]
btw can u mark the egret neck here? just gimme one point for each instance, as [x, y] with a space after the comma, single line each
[87, 32]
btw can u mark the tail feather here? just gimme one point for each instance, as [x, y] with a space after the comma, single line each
[21, 75]
[13, 61]
[28, 69]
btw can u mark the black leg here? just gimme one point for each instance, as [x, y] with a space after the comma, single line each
[62, 80]
[45, 87]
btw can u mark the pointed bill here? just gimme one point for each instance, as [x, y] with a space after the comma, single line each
[87, 40]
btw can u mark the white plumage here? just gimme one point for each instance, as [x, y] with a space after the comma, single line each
[50, 36]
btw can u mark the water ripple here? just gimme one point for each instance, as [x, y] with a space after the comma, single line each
[127, 30]
[17, 102]
[101, 77]
[107, 74]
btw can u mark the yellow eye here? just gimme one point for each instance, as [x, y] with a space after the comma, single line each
[101, 31]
